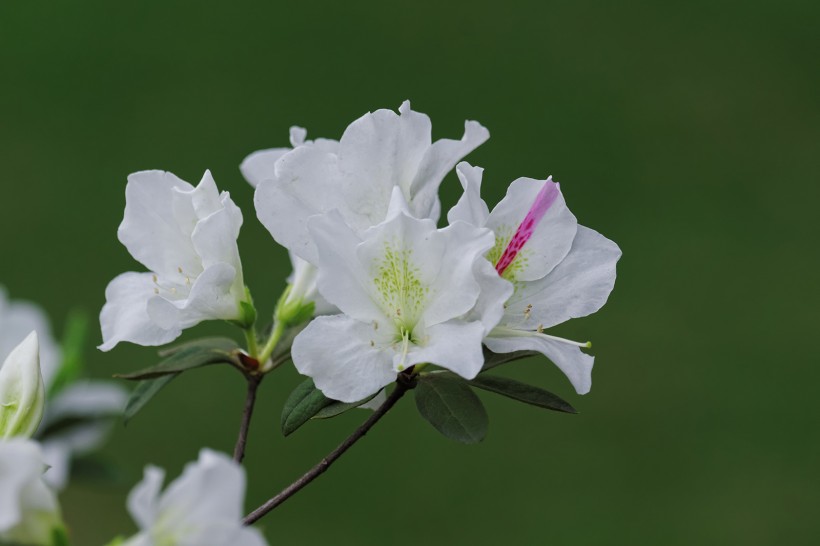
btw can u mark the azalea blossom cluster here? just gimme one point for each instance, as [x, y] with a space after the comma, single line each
[386, 289]
[390, 288]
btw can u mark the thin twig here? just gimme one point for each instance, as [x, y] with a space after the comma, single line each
[402, 386]
[247, 413]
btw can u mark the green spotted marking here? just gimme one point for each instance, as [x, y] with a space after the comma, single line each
[401, 291]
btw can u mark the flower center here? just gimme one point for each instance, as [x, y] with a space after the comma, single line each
[401, 292]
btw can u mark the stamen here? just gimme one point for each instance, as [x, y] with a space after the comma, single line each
[543, 201]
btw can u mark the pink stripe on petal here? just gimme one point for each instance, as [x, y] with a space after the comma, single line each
[543, 201]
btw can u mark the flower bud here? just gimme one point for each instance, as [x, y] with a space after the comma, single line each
[22, 393]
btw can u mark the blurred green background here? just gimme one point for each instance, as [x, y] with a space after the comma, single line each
[686, 132]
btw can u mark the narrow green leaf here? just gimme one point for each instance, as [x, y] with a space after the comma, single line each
[491, 359]
[337, 408]
[71, 346]
[303, 403]
[143, 393]
[448, 403]
[522, 392]
[202, 352]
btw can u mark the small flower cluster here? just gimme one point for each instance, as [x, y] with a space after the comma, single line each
[389, 289]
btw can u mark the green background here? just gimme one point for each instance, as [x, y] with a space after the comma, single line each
[686, 132]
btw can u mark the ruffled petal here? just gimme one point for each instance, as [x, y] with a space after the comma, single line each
[260, 165]
[438, 160]
[577, 287]
[143, 500]
[470, 208]
[124, 317]
[343, 279]
[154, 229]
[348, 360]
[455, 345]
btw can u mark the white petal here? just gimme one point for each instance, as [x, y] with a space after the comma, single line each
[576, 365]
[143, 500]
[347, 359]
[209, 490]
[470, 208]
[87, 399]
[307, 183]
[455, 290]
[259, 165]
[552, 238]
[154, 229]
[22, 394]
[577, 287]
[58, 459]
[211, 297]
[494, 292]
[384, 149]
[17, 320]
[28, 508]
[343, 279]
[455, 345]
[438, 160]
[124, 317]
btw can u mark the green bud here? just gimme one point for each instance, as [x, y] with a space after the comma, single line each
[292, 310]
[22, 393]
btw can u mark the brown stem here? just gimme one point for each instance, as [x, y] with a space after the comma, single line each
[247, 413]
[402, 386]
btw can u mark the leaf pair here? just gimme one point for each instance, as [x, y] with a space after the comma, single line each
[306, 402]
[448, 403]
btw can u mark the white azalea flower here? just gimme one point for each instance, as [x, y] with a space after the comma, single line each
[356, 176]
[29, 513]
[203, 507]
[186, 237]
[82, 416]
[403, 287]
[559, 270]
[22, 393]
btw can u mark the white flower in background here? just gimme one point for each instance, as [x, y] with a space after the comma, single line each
[22, 393]
[356, 176]
[88, 405]
[186, 237]
[17, 320]
[559, 270]
[77, 421]
[203, 507]
[29, 513]
[402, 287]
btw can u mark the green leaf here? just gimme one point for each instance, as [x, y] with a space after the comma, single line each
[522, 392]
[71, 346]
[337, 408]
[491, 359]
[202, 352]
[303, 403]
[143, 393]
[449, 404]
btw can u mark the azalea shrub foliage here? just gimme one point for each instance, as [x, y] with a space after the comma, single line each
[386, 298]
